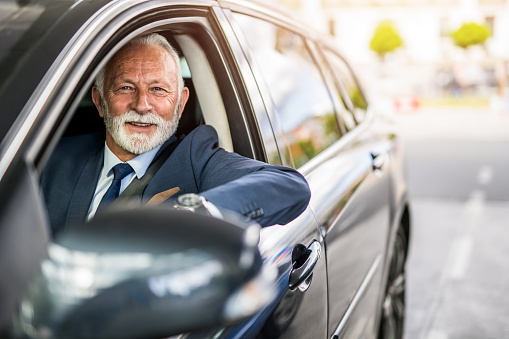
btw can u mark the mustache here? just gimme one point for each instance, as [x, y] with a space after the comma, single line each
[147, 118]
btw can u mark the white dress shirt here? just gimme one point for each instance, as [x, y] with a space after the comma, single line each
[139, 164]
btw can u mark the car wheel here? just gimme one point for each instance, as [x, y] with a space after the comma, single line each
[393, 307]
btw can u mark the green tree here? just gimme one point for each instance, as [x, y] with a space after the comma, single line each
[386, 38]
[470, 34]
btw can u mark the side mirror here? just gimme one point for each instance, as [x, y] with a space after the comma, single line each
[146, 272]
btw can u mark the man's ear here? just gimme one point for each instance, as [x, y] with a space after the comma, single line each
[96, 98]
[183, 100]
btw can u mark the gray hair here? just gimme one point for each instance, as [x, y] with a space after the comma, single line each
[152, 39]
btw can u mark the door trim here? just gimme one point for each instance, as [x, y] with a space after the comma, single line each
[358, 296]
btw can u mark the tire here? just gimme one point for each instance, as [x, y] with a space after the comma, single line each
[393, 307]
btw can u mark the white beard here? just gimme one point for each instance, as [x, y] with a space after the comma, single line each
[138, 143]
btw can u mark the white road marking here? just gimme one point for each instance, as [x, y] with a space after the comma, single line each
[462, 247]
[485, 175]
[460, 254]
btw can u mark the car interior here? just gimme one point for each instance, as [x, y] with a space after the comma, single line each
[205, 104]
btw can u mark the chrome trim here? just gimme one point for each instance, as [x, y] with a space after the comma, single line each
[358, 296]
[274, 11]
[251, 75]
[48, 83]
[236, 49]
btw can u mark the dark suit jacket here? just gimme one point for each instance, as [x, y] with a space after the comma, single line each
[270, 193]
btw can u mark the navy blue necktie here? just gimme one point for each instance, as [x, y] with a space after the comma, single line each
[120, 171]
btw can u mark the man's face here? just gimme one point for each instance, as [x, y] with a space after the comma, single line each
[141, 101]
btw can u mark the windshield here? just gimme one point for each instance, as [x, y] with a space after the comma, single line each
[15, 19]
[23, 26]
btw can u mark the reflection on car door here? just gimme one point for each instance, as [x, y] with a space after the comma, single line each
[349, 198]
[24, 234]
[298, 313]
[346, 172]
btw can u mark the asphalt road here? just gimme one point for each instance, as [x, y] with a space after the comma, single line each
[458, 267]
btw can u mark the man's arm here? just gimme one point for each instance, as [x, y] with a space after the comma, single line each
[269, 194]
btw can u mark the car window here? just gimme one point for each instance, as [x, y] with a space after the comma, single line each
[344, 75]
[86, 118]
[204, 106]
[298, 92]
[200, 64]
[341, 99]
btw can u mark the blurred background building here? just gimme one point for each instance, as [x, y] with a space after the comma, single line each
[429, 68]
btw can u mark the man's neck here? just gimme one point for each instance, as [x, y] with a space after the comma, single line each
[121, 153]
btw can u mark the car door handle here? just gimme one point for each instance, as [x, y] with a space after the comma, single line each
[377, 160]
[304, 261]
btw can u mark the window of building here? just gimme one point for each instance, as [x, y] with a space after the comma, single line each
[490, 22]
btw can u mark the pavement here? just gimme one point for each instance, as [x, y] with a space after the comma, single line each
[458, 264]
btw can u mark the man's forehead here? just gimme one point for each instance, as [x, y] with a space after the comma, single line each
[149, 59]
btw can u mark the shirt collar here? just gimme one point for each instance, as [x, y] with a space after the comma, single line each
[139, 164]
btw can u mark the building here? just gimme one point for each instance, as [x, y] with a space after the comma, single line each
[429, 64]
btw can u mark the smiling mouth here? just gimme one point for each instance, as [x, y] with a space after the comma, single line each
[139, 124]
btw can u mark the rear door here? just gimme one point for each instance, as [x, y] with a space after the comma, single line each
[351, 199]
[302, 312]
[320, 130]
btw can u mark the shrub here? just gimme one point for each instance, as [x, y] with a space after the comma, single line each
[386, 38]
[470, 34]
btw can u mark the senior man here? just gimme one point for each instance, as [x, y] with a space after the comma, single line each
[140, 94]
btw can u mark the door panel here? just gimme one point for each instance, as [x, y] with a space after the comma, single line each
[24, 234]
[297, 314]
[350, 200]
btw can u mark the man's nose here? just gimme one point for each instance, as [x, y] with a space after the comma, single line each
[142, 102]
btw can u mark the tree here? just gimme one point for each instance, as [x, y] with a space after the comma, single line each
[386, 38]
[470, 34]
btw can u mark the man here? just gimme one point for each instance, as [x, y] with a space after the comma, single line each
[140, 94]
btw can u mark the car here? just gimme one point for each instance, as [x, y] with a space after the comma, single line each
[275, 91]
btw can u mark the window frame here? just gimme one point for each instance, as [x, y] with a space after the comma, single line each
[342, 87]
[264, 88]
[69, 89]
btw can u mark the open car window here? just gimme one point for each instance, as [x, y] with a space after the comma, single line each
[205, 72]
[202, 87]
[297, 90]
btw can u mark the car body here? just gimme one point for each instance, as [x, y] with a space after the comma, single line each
[275, 91]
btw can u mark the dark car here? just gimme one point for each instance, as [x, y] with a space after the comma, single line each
[275, 91]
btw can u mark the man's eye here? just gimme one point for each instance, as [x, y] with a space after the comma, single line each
[123, 89]
[157, 89]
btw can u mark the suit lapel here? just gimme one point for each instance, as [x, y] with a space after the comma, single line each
[85, 189]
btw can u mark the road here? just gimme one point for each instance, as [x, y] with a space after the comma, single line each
[458, 266]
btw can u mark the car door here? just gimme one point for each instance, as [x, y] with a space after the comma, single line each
[301, 311]
[357, 226]
[24, 233]
[345, 165]
[24, 226]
